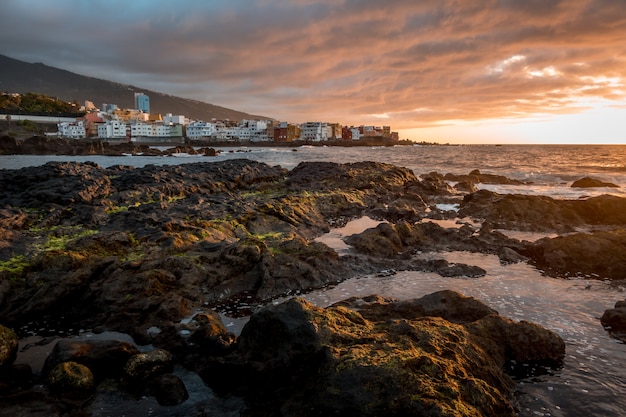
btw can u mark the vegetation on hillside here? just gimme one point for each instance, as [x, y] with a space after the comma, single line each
[36, 104]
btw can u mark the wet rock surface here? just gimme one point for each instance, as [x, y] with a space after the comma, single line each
[614, 319]
[154, 252]
[440, 355]
[588, 182]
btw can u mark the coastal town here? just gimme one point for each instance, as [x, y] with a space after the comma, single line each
[111, 123]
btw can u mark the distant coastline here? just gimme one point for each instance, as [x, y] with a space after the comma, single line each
[42, 145]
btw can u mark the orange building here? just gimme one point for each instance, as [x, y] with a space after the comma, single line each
[286, 132]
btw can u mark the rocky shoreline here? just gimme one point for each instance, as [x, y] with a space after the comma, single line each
[40, 145]
[152, 252]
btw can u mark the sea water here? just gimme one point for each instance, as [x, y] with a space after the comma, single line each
[592, 381]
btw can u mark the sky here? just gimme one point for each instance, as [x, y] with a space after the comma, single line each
[446, 71]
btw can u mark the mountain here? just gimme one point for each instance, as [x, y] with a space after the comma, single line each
[22, 77]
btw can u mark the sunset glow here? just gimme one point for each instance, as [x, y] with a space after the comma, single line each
[501, 71]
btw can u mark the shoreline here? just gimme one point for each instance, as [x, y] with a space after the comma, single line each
[40, 145]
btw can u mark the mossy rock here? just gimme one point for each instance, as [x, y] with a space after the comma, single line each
[8, 346]
[71, 378]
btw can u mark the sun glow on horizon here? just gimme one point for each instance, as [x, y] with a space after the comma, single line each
[603, 123]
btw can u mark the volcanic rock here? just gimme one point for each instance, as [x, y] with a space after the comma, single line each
[614, 320]
[169, 390]
[70, 378]
[146, 365]
[375, 356]
[8, 346]
[476, 177]
[598, 255]
[588, 182]
[105, 358]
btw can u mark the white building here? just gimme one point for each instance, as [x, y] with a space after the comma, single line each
[112, 129]
[314, 132]
[72, 130]
[175, 119]
[199, 130]
[140, 130]
[355, 133]
[251, 131]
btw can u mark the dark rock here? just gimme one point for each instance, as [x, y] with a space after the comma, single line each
[433, 184]
[446, 304]
[382, 358]
[39, 145]
[614, 320]
[478, 177]
[597, 255]
[105, 358]
[146, 365]
[511, 256]
[539, 213]
[382, 241]
[15, 377]
[8, 347]
[461, 270]
[169, 390]
[588, 182]
[70, 378]
[466, 187]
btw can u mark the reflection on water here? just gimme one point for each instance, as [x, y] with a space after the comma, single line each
[335, 238]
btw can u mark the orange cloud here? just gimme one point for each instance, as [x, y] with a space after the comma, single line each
[352, 61]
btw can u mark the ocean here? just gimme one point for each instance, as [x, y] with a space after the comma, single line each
[592, 381]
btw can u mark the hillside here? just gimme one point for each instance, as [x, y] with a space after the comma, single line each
[22, 77]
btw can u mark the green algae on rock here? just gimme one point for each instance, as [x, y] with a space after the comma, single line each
[374, 356]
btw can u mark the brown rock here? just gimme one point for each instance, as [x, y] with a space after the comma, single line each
[588, 182]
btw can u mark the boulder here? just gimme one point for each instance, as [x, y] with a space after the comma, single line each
[143, 366]
[105, 358]
[614, 320]
[169, 390]
[476, 177]
[466, 187]
[598, 255]
[70, 378]
[543, 214]
[376, 356]
[8, 346]
[588, 182]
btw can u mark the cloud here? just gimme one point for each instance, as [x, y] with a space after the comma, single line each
[351, 61]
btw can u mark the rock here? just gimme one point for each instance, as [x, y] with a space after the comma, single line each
[70, 378]
[433, 184]
[146, 365]
[511, 256]
[8, 347]
[461, 270]
[596, 255]
[588, 182]
[169, 390]
[466, 187]
[542, 214]
[376, 356]
[17, 376]
[478, 177]
[105, 358]
[614, 320]
[381, 241]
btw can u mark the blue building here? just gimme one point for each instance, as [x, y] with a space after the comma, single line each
[142, 102]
